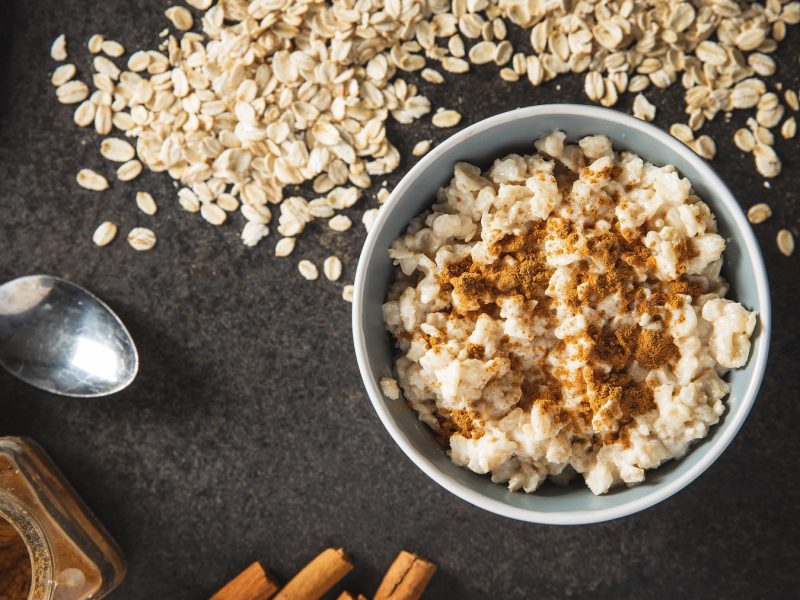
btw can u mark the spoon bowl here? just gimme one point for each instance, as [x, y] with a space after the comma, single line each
[61, 338]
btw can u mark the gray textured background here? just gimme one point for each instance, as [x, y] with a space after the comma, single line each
[247, 434]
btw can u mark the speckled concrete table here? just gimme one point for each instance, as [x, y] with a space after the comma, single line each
[247, 434]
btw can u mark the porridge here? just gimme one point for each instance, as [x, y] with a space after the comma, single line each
[563, 313]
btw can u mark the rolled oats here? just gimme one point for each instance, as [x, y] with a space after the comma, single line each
[446, 118]
[146, 203]
[643, 109]
[129, 170]
[58, 50]
[421, 148]
[758, 213]
[117, 150]
[253, 232]
[285, 246]
[332, 268]
[789, 128]
[63, 74]
[785, 242]
[180, 17]
[274, 94]
[92, 180]
[95, 44]
[308, 270]
[72, 92]
[213, 213]
[112, 48]
[340, 223]
[104, 234]
[142, 239]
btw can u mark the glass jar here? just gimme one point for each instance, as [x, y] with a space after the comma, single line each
[72, 557]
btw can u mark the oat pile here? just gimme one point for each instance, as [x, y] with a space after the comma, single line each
[244, 100]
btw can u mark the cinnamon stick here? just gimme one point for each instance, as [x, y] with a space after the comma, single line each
[318, 576]
[349, 596]
[254, 583]
[406, 579]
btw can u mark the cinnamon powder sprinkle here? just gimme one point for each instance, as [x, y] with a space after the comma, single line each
[520, 269]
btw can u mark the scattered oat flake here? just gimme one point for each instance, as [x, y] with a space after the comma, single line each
[146, 203]
[681, 131]
[213, 213]
[789, 128]
[180, 17]
[92, 180]
[95, 43]
[63, 74]
[58, 51]
[432, 76]
[129, 170]
[340, 223]
[112, 48]
[446, 118]
[382, 195]
[332, 268]
[72, 92]
[117, 150]
[758, 213]
[200, 4]
[308, 270]
[285, 246]
[84, 114]
[785, 242]
[643, 109]
[253, 232]
[369, 217]
[744, 140]
[705, 147]
[421, 148]
[104, 234]
[347, 293]
[141, 238]
[390, 388]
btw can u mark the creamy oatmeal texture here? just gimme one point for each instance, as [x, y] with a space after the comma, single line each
[563, 313]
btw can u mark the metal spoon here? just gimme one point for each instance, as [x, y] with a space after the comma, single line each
[61, 338]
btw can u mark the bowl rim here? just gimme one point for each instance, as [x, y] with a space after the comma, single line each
[660, 491]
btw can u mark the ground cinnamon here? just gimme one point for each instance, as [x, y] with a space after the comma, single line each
[406, 579]
[611, 264]
[318, 576]
[16, 572]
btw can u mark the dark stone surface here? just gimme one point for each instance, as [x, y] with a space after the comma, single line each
[247, 434]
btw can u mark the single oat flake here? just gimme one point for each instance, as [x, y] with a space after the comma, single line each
[332, 268]
[758, 213]
[285, 246]
[308, 270]
[58, 51]
[92, 180]
[104, 234]
[421, 148]
[146, 203]
[141, 239]
[785, 242]
[63, 74]
[446, 118]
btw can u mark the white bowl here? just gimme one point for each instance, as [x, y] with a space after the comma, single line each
[481, 143]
